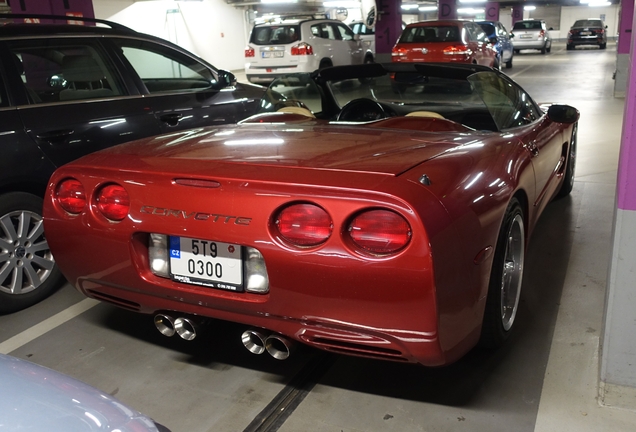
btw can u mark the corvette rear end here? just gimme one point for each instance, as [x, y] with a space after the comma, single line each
[340, 259]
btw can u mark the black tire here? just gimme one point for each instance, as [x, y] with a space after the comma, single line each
[549, 48]
[509, 63]
[28, 273]
[603, 46]
[517, 51]
[497, 63]
[325, 63]
[569, 47]
[504, 289]
[568, 177]
[543, 50]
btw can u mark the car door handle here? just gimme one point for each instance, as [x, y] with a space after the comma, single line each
[171, 119]
[56, 136]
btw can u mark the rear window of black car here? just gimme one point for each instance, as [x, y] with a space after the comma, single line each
[423, 34]
[588, 23]
[275, 35]
[527, 25]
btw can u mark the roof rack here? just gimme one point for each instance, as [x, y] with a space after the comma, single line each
[111, 24]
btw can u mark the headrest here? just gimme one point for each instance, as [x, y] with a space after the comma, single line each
[81, 68]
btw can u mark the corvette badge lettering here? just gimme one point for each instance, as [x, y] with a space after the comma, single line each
[158, 211]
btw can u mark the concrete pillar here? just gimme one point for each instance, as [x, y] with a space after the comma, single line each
[618, 354]
[388, 28]
[625, 37]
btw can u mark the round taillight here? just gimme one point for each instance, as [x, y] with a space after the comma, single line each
[70, 194]
[380, 231]
[304, 224]
[113, 202]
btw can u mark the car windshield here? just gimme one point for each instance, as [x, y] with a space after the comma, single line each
[482, 100]
[527, 25]
[424, 34]
[489, 29]
[588, 23]
[275, 35]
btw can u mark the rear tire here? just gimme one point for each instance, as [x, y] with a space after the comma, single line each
[504, 289]
[568, 177]
[509, 63]
[28, 273]
[569, 47]
[325, 63]
[603, 46]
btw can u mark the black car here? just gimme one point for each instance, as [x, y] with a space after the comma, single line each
[69, 90]
[590, 31]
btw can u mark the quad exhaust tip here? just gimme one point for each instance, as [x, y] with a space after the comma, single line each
[185, 327]
[276, 345]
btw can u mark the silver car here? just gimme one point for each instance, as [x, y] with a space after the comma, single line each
[37, 399]
[532, 34]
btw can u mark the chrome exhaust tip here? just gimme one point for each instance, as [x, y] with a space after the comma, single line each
[278, 346]
[254, 341]
[165, 324]
[186, 328]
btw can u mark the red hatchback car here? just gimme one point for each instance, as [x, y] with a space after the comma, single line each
[445, 41]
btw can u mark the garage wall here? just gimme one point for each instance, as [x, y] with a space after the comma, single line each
[211, 29]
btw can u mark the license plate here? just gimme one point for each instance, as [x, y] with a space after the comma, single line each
[526, 36]
[272, 54]
[585, 33]
[206, 263]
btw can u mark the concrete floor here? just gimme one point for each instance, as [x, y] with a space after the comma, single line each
[545, 379]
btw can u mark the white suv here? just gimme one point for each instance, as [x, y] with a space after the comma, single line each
[300, 45]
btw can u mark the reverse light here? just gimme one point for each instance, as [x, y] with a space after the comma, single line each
[302, 48]
[113, 202]
[304, 224]
[158, 254]
[249, 52]
[380, 231]
[256, 279]
[456, 50]
[71, 196]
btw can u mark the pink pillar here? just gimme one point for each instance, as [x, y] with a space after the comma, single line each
[70, 8]
[626, 187]
[447, 9]
[388, 28]
[492, 11]
[517, 13]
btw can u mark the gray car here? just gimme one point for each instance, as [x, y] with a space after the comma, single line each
[532, 34]
[38, 399]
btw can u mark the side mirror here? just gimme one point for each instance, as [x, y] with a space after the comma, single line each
[512, 35]
[563, 114]
[551, 28]
[494, 40]
[226, 79]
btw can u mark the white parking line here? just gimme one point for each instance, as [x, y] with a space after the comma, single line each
[45, 326]
[520, 72]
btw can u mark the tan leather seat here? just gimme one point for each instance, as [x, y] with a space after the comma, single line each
[425, 114]
[297, 110]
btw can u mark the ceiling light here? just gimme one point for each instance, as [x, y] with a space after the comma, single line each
[342, 4]
[529, 8]
[470, 11]
[427, 8]
[409, 6]
[472, 1]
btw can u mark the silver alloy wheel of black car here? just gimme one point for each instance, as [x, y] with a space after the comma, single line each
[512, 272]
[27, 268]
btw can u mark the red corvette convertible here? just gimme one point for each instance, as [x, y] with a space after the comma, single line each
[384, 212]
